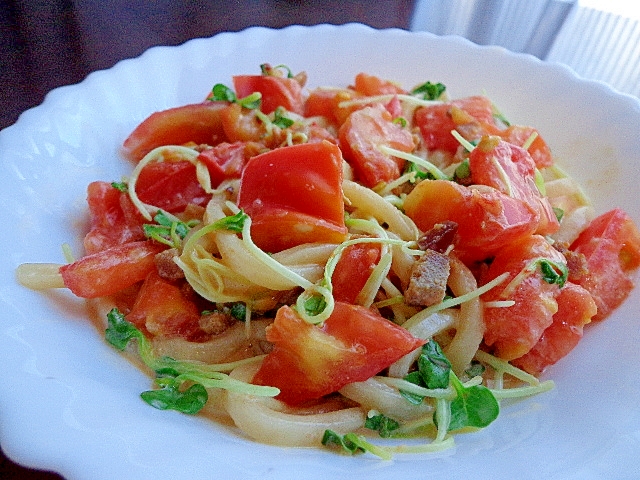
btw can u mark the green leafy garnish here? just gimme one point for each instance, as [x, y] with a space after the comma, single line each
[233, 223]
[280, 119]
[474, 406]
[268, 70]
[171, 397]
[382, 424]
[553, 272]
[315, 305]
[433, 366]
[559, 213]
[462, 171]
[168, 231]
[429, 91]
[182, 384]
[353, 444]
[222, 93]
[400, 121]
[238, 311]
[122, 186]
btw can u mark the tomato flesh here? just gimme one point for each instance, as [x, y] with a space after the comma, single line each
[611, 246]
[513, 331]
[487, 219]
[472, 117]
[371, 85]
[576, 307]
[294, 195]
[511, 170]
[198, 123]
[353, 270]
[109, 271]
[162, 309]
[308, 361]
[276, 92]
[362, 135]
[114, 219]
[170, 186]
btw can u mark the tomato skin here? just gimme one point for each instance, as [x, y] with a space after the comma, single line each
[472, 117]
[163, 310]
[294, 195]
[198, 123]
[513, 331]
[539, 150]
[487, 219]
[370, 85]
[308, 361]
[360, 137]
[493, 159]
[170, 186]
[227, 160]
[276, 92]
[326, 102]
[611, 246]
[109, 271]
[576, 307]
[353, 270]
[113, 217]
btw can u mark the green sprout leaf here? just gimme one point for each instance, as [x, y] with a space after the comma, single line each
[554, 272]
[221, 92]
[429, 91]
[280, 119]
[238, 311]
[474, 406]
[433, 366]
[122, 186]
[171, 397]
[382, 424]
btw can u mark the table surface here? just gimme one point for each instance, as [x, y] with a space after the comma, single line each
[47, 44]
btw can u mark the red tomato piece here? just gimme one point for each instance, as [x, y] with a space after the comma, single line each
[370, 85]
[308, 361]
[539, 150]
[109, 271]
[511, 170]
[487, 219]
[170, 186]
[472, 117]
[611, 246]
[114, 219]
[353, 270]
[513, 331]
[227, 160]
[276, 92]
[198, 123]
[294, 196]
[162, 309]
[575, 309]
[360, 137]
[325, 102]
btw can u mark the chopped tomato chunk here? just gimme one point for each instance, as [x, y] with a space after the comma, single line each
[539, 150]
[170, 186]
[109, 271]
[114, 219]
[353, 270]
[308, 361]
[370, 85]
[575, 309]
[362, 135]
[513, 331]
[162, 308]
[611, 246]
[511, 170]
[227, 160]
[472, 117]
[198, 123]
[487, 219]
[276, 91]
[294, 195]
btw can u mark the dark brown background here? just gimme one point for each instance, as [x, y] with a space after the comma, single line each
[48, 43]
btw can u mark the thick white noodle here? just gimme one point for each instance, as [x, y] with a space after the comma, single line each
[269, 421]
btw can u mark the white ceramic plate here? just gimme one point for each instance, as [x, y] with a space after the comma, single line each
[70, 403]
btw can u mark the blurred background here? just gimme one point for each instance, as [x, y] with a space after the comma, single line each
[45, 44]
